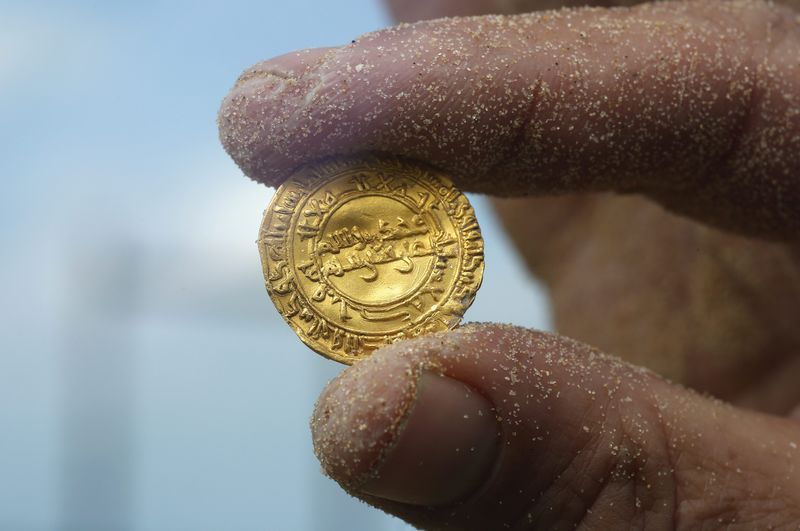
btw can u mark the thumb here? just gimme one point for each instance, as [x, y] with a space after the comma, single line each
[496, 427]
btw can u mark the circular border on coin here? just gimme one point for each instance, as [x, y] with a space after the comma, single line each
[308, 269]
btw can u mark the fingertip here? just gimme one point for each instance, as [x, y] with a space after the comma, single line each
[261, 104]
[359, 415]
[388, 428]
[445, 449]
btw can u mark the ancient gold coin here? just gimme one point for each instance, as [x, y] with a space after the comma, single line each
[361, 252]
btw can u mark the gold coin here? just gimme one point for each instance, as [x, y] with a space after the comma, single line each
[361, 252]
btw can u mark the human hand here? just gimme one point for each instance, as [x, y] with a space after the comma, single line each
[711, 309]
[693, 105]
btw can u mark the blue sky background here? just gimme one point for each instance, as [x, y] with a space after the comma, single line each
[146, 381]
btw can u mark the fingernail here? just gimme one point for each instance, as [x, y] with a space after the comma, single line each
[256, 114]
[288, 66]
[404, 434]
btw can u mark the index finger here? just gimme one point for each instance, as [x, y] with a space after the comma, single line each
[694, 103]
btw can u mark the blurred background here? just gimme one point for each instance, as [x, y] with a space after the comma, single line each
[146, 380]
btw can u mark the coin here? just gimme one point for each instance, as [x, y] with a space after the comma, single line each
[362, 252]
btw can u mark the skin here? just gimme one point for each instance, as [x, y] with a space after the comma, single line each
[669, 135]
